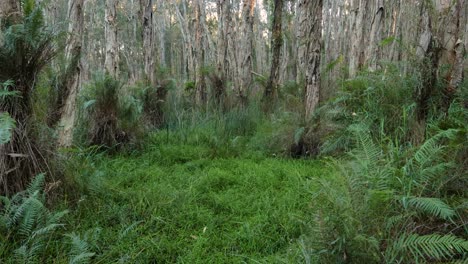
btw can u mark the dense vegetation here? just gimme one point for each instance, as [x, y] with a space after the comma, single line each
[377, 173]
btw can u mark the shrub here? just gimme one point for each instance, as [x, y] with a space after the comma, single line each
[26, 48]
[110, 114]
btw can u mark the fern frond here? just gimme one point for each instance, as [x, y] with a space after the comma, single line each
[45, 230]
[80, 250]
[368, 152]
[433, 246]
[7, 124]
[432, 206]
[36, 184]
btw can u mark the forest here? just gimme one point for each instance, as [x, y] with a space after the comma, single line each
[233, 131]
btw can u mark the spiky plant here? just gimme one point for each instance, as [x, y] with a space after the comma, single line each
[111, 114]
[27, 46]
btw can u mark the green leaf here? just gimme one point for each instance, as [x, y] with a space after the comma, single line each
[7, 124]
[432, 206]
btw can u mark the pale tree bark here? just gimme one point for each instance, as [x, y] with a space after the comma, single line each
[148, 36]
[246, 48]
[313, 38]
[303, 21]
[219, 79]
[453, 44]
[10, 9]
[187, 53]
[271, 88]
[200, 52]
[111, 63]
[72, 82]
[373, 50]
[357, 39]
[427, 51]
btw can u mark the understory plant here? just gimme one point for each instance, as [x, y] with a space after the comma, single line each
[110, 114]
[26, 48]
[28, 229]
[397, 196]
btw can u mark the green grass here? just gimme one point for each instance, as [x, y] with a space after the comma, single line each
[178, 203]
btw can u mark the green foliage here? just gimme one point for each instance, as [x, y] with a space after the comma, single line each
[406, 181]
[431, 206]
[435, 247]
[7, 124]
[193, 207]
[26, 225]
[27, 46]
[110, 114]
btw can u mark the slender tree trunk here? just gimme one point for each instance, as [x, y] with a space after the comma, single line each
[373, 50]
[427, 51]
[357, 40]
[248, 12]
[111, 63]
[313, 38]
[271, 88]
[200, 51]
[148, 36]
[454, 45]
[73, 77]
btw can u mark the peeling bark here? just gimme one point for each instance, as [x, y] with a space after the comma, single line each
[111, 63]
[73, 78]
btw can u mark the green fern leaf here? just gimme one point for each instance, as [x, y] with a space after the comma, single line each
[432, 206]
[433, 246]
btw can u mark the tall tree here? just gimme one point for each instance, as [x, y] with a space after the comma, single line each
[219, 79]
[357, 39]
[312, 33]
[111, 63]
[271, 88]
[373, 51]
[246, 48]
[200, 52]
[148, 36]
[72, 80]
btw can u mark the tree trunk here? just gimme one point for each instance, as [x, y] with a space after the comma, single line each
[111, 63]
[148, 36]
[246, 48]
[10, 10]
[373, 50]
[313, 37]
[73, 76]
[271, 88]
[427, 51]
[200, 51]
[357, 40]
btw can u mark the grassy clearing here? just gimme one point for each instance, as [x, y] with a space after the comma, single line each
[178, 203]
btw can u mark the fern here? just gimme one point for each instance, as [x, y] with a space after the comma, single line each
[432, 206]
[80, 250]
[27, 223]
[7, 124]
[438, 247]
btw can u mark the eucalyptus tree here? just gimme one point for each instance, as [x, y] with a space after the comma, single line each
[111, 63]
[246, 49]
[271, 88]
[72, 80]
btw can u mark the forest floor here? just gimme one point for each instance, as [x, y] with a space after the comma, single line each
[177, 202]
